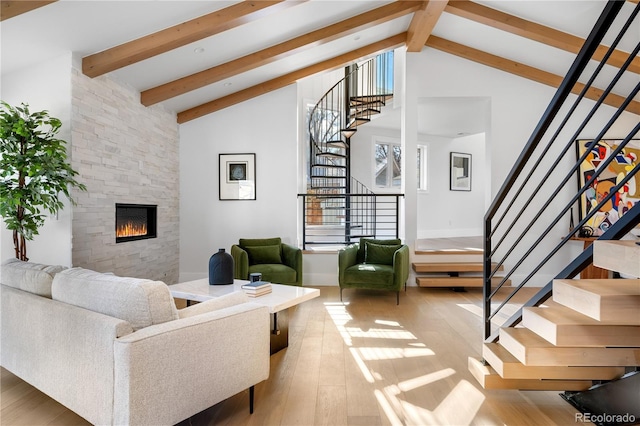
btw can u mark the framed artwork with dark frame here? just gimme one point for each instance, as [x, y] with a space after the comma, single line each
[623, 200]
[460, 172]
[237, 180]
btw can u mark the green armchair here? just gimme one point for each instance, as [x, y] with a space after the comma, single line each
[375, 265]
[278, 263]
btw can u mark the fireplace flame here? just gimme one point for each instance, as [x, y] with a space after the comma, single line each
[131, 229]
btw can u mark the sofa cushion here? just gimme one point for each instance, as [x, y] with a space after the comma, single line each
[140, 302]
[381, 254]
[28, 276]
[263, 254]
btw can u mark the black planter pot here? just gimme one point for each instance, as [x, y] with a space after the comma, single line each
[221, 268]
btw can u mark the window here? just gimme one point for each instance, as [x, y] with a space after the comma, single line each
[388, 169]
[422, 168]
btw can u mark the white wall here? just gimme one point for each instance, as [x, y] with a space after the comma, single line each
[516, 107]
[446, 213]
[267, 126]
[438, 212]
[45, 87]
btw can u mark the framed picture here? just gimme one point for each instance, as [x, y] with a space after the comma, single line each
[237, 176]
[460, 172]
[623, 200]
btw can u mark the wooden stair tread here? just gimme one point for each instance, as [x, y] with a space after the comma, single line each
[531, 349]
[509, 367]
[490, 379]
[607, 287]
[367, 99]
[451, 266]
[563, 326]
[607, 300]
[620, 256]
[456, 281]
[452, 251]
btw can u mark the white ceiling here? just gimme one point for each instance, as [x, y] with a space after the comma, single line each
[88, 27]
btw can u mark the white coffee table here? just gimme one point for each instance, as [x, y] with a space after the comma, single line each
[281, 298]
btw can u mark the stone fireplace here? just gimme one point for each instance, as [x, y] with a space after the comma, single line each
[135, 222]
[124, 152]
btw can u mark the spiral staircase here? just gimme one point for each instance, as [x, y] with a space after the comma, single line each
[336, 205]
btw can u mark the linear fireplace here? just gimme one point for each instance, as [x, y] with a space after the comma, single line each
[135, 222]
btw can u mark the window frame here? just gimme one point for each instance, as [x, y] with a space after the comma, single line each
[423, 172]
[391, 142]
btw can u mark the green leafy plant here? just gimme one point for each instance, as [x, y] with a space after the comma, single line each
[33, 172]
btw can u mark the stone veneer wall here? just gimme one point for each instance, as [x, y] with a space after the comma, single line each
[124, 153]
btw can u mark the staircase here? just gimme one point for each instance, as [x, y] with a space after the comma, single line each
[589, 330]
[339, 208]
[580, 336]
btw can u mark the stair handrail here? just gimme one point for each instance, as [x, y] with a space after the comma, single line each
[336, 95]
[501, 203]
[564, 90]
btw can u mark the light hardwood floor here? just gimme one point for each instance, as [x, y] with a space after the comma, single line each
[365, 362]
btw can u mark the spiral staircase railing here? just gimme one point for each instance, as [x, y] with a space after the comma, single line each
[335, 118]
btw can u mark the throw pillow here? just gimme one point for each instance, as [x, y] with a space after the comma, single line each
[263, 254]
[380, 254]
[252, 242]
[364, 241]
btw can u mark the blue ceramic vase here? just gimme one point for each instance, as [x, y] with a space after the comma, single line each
[221, 268]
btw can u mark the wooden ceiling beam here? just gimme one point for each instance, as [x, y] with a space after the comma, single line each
[285, 80]
[279, 51]
[423, 23]
[10, 9]
[180, 35]
[531, 30]
[525, 71]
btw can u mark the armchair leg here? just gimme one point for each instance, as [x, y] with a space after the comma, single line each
[251, 392]
[397, 297]
[341, 294]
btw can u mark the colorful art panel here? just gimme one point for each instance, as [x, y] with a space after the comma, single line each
[625, 198]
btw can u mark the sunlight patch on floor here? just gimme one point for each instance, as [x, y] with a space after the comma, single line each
[458, 407]
[475, 310]
[363, 367]
[387, 322]
[388, 410]
[380, 333]
[411, 384]
[380, 353]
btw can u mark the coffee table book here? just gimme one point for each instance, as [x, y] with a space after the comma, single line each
[257, 293]
[256, 285]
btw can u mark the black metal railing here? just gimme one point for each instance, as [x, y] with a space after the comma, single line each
[350, 103]
[326, 219]
[531, 242]
[336, 202]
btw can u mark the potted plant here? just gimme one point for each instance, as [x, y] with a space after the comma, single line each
[33, 172]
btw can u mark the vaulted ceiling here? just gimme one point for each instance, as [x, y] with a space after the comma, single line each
[197, 57]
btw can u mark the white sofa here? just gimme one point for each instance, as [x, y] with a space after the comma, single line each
[117, 351]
